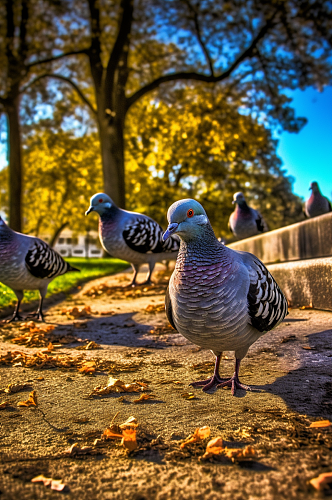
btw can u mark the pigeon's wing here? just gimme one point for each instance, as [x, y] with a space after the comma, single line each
[44, 262]
[329, 204]
[267, 306]
[168, 308]
[260, 222]
[144, 235]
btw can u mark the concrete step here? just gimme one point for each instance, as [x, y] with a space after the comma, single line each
[309, 239]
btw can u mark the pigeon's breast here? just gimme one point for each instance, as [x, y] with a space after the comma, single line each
[209, 304]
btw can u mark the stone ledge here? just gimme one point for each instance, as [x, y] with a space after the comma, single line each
[309, 239]
[306, 283]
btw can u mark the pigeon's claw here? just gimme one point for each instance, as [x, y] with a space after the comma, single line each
[235, 384]
[208, 383]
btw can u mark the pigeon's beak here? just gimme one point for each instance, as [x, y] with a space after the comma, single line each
[233, 202]
[90, 209]
[170, 230]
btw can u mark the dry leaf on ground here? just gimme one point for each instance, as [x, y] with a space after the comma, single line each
[76, 449]
[31, 401]
[5, 404]
[322, 482]
[91, 345]
[214, 447]
[240, 453]
[144, 397]
[41, 336]
[126, 432]
[118, 386]
[55, 484]
[188, 395]
[154, 308]
[77, 312]
[12, 388]
[320, 423]
[199, 434]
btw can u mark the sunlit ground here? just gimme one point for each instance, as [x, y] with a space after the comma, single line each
[90, 268]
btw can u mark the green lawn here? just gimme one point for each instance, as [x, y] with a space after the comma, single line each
[90, 268]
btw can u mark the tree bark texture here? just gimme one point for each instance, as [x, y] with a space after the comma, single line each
[15, 162]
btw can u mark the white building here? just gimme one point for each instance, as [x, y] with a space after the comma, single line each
[70, 245]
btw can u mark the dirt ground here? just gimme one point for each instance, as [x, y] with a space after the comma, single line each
[290, 368]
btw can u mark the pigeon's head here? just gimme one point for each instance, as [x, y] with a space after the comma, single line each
[99, 203]
[239, 198]
[314, 187]
[186, 218]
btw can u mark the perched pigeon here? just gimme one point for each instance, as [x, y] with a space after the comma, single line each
[131, 236]
[218, 298]
[317, 204]
[245, 222]
[28, 263]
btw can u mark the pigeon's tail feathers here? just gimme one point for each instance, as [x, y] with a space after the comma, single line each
[72, 269]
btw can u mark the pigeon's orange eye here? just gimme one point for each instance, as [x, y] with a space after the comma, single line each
[190, 212]
[100, 200]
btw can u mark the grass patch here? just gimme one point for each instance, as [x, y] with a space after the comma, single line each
[90, 269]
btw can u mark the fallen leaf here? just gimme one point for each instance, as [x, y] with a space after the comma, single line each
[117, 385]
[199, 434]
[153, 308]
[91, 345]
[77, 312]
[320, 423]
[12, 388]
[144, 397]
[76, 449]
[89, 368]
[321, 482]
[31, 401]
[55, 484]
[4, 405]
[214, 447]
[240, 453]
[188, 395]
[129, 423]
[129, 439]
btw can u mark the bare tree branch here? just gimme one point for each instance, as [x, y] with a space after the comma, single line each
[94, 51]
[192, 75]
[119, 46]
[64, 79]
[56, 58]
[199, 35]
[23, 29]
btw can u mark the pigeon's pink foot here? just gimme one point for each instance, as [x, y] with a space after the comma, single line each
[234, 383]
[212, 381]
[207, 384]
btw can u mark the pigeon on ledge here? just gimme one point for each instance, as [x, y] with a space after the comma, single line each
[245, 222]
[28, 263]
[131, 236]
[218, 298]
[317, 204]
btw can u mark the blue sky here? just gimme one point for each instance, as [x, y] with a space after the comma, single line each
[307, 156]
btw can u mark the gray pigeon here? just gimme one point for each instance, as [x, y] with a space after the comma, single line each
[245, 222]
[131, 236]
[317, 204]
[218, 298]
[28, 263]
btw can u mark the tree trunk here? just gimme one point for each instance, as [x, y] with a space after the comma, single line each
[15, 165]
[112, 150]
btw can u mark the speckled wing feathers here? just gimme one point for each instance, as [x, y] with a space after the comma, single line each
[267, 304]
[145, 236]
[43, 262]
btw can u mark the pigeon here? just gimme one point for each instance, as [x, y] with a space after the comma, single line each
[245, 222]
[218, 298]
[131, 236]
[28, 263]
[317, 204]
